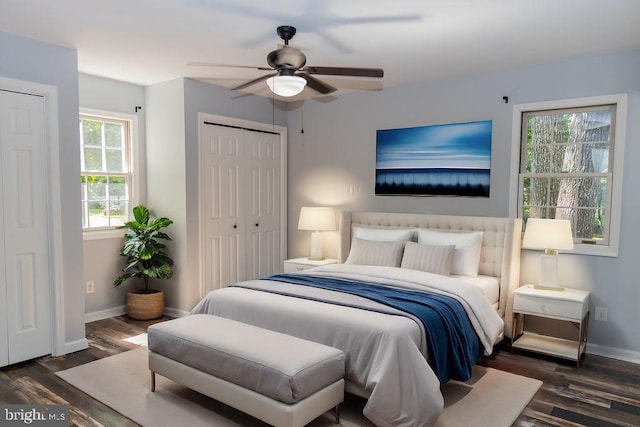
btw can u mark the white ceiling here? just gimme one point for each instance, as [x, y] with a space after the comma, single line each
[150, 41]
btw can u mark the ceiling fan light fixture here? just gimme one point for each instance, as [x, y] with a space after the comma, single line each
[286, 85]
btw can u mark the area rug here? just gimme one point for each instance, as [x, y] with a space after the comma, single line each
[492, 398]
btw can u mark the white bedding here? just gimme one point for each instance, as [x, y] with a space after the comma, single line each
[489, 285]
[385, 353]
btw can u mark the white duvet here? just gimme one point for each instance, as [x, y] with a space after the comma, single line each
[385, 350]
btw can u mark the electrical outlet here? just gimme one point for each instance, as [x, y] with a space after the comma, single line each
[90, 287]
[601, 314]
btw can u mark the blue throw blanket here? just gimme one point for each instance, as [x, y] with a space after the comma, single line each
[453, 345]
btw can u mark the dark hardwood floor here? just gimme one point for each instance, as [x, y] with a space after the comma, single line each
[602, 392]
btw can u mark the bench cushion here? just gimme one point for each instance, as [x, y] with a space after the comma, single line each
[276, 365]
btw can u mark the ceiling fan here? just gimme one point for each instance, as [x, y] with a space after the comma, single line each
[291, 74]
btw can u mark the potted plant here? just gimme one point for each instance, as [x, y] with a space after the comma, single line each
[146, 259]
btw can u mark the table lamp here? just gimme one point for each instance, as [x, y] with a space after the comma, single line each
[551, 235]
[316, 219]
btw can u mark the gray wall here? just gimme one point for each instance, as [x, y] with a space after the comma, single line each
[333, 163]
[166, 177]
[101, 260]
[33, 61]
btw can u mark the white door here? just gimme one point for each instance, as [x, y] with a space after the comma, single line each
[240, 179]
[221, 206]
[262, 204]
[24, 236]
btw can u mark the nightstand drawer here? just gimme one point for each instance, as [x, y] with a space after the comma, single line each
[290, 267]
[554, 307]
[299, 264]
[561, 309]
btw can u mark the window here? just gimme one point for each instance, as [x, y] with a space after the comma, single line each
[570, 168]
[106, 170]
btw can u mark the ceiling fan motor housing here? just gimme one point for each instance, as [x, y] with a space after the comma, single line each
[286, 57]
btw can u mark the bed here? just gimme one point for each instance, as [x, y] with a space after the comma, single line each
[390, 354]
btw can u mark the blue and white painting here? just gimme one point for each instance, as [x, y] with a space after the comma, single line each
[438, 160]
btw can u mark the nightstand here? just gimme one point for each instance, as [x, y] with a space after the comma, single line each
[299, 264]
[570, 305]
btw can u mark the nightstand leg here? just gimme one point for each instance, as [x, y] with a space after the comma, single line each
[515, 330]
[583, 333]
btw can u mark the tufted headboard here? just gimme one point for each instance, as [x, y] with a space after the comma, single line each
[500, 255]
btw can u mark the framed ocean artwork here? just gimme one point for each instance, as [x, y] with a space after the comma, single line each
[437, 160]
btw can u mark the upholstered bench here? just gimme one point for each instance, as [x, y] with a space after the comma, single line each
[280, 379]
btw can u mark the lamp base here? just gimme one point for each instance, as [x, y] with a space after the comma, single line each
[548, 271]
[316, 246]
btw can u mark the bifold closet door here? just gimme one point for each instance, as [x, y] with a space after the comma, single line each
[262, 204]
[240, 179]
[24, 236]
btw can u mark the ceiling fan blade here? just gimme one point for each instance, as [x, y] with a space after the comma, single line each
[211, 64]
[317, 85]
[345, 71]
[254, 81]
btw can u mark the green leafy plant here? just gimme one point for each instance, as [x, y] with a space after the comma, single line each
[143, 247]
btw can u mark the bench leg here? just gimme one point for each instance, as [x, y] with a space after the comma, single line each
[153, 381]
[337, 413]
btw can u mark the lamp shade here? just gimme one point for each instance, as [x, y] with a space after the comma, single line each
[543, 233]
[317, 219]
[286, 85]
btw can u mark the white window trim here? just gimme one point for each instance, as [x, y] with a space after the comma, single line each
[610, 250]
[134, 153]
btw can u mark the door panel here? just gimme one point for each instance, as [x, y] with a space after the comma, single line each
[242, 204]
[25, 236]
[222, 209]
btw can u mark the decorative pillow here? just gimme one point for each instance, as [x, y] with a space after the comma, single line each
[385, 234]
[430, 258]
[369, 252]
[466, 257]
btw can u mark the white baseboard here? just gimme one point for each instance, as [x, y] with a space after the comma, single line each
[73, 346]
[614, 353]
[104, 314]
[119, 311]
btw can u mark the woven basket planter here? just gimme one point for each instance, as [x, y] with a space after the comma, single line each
[145, 306]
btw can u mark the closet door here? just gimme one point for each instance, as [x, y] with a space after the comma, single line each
[262, 198]
[240, 206]
[221, 206]
[24, 242]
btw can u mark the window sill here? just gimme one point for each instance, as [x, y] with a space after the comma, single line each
[585, 249]
[115, 233]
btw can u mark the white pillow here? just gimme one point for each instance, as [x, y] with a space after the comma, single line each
[369, 252]
[385, 234]
[430, 258]
[466, 257]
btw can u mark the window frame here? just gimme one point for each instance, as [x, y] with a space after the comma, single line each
[133, 160]
[620, 100]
